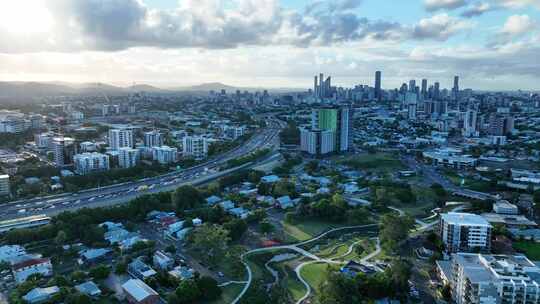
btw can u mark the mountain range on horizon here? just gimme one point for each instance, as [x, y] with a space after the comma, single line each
[22, 89]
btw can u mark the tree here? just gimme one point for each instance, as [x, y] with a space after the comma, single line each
[210, 288]
[394, 228]
[60, 238]
[211, 240]
[100, 272]
[78, 298]
[170, 249]
[266, 227]
[237, 228]
[186, 197]
[188, 292]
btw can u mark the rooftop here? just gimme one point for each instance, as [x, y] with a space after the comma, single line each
[456, 218]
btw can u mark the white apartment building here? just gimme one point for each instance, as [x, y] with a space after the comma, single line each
[494, 279]
[195, 146]
[76, 115]
[317, 142]
[44, 140]
[91, 162]
[153, 139]
[64, 149]
[465, 232]
[4, 185]
[120, 138]
[505, 207]
[165, 154]
[128, 157]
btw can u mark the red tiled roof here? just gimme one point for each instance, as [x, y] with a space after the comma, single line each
[30, 262]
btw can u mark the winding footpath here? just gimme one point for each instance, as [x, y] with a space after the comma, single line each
[296, 248]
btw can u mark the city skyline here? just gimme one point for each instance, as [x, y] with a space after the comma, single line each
[490, 44]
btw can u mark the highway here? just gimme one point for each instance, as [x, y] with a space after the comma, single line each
[124, 192]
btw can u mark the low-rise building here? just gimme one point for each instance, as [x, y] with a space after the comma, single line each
[504, 207]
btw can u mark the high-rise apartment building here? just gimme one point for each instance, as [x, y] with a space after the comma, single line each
[4, 185]
[165, 154]
[497, 279]
[90, 162]
[324, 88]
[470, 123]
[64, 149]
[331, 131]
[195, 146]
[153, 139]
[128, 157]
[465, 232]
[120, 138]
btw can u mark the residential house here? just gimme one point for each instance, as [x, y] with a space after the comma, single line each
[138, 269]
[137, 292]
[89, 288]
[40, 295]
[21, 271]
[162, 261]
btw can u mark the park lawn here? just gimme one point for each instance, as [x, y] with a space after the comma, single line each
[531, 249]
[228, 294]
[315, 274]
[290, 280]
[307, 229]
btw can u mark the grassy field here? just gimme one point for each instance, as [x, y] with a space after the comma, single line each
[229, 292]
[531, 249]
[315, 274]
[307, 229]
[379, 162]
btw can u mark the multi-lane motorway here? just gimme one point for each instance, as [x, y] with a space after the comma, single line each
[121, 193]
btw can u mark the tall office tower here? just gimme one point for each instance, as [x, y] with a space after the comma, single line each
[470, 124]
[436, 91]
[411, 110]
[424, 88]
[378, 92]
[120, 138]
[316, 87]
[328, 87]
[153, 139]
[412, 85]
[128, 157]
[455, 89]
[321, 85]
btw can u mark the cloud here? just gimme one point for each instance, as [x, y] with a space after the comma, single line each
[518, 25]
[435, 5]
[477, 9]
[516, 4]
[439, 27]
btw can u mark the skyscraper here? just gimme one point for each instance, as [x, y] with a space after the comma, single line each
[378, 93]
[455, 90]
[424, 88]
[412, 85]
[436, 91]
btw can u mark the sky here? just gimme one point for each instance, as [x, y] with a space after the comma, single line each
[490, 44]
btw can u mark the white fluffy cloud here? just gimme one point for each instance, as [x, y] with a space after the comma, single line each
[440, 27]
[517, 25]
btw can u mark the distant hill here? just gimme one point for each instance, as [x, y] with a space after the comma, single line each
[22, 90]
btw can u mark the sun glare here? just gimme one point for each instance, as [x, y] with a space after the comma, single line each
[25, 17]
